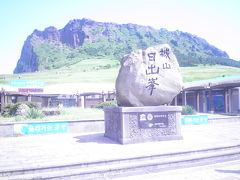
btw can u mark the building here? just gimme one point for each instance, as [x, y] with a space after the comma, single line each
[219, 95]
[7, 97]
[67, 95]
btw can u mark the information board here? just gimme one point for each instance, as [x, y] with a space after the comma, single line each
[153, 120]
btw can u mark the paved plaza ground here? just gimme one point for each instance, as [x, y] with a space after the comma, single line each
[222, 171]
[59, 149]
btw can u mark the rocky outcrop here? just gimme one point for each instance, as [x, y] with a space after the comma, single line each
[28, 61]
[148, 77]
[72, 34]
[106, 39]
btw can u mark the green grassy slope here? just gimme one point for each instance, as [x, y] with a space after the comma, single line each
[106, 70]
[207, 72]
[90, 70]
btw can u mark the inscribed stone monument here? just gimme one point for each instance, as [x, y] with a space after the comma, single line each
[148, 77]
[147, 80]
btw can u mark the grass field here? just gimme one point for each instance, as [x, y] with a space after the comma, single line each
[106, 70]
[67, 114]
[86, 71]
[207, 72]
[75, 114]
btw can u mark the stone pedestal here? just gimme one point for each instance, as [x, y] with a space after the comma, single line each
[140, 124]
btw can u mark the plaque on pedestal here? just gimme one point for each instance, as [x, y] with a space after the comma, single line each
[141, 124]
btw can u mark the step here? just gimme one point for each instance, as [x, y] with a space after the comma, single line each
[132, 165]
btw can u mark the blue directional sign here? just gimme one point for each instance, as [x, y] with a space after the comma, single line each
[41, 128]
[201, 119]
[26, 83]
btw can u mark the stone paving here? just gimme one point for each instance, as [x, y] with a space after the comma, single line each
[33, 151]
[221, 171]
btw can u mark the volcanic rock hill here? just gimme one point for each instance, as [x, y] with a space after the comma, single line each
[83, 38]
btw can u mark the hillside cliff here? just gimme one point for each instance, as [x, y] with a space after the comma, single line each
[84, 38]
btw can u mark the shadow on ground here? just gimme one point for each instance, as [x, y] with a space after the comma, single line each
[228, 171]
[94, 138]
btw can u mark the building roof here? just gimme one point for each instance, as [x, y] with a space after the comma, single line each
[14, 93]
[78, 88]
[215, 83]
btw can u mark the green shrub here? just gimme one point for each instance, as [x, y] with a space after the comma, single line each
[31, 105]
[107, 104]
[34, 114]
[188, 110]
[11, 109]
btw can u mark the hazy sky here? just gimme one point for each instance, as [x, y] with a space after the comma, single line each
[217, 21]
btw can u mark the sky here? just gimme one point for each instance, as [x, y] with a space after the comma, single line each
[217, 21]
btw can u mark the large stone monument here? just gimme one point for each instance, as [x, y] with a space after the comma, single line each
[147, 82]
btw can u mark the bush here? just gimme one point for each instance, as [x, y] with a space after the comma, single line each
[31, 105]
[188, 110]
[34, 113]
[107, 104]
[22, 110]
[11, 109]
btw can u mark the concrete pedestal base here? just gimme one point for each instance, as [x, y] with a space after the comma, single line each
[140, 124]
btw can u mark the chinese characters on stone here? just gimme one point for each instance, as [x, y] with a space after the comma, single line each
[152, 70]
[151, 85]
[165, 53]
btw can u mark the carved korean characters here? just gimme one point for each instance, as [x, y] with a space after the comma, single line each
[148, 77]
